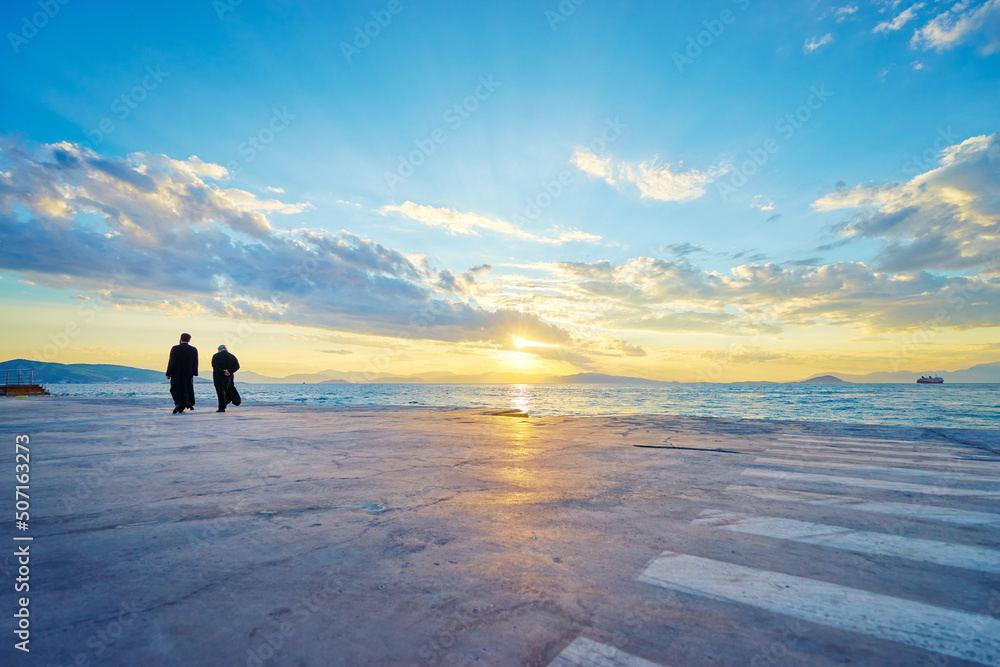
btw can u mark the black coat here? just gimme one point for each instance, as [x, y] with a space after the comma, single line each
[183, 363]
[224, 360]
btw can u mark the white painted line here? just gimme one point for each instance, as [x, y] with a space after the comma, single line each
[859, 467]
[985, 466]
[834, 451]
[900, 447]
[869, 483]
[857, 541]
[585, 652]
[872, 441]
[909, 510]
[950, 632]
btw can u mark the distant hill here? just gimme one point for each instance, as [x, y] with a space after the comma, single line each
[978, 373]
[824, 379]
[599, 378]
[75, 373]
[989, 373]
[297, 378]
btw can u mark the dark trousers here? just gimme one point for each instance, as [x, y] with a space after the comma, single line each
[225, 389]
[182, 391]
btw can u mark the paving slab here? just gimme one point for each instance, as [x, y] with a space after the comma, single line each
[279, 534]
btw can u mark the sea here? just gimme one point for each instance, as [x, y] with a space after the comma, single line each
[946, 405]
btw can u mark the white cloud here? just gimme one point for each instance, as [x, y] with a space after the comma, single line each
[588, 162]
[469, 224]
[902, 19]
[762, 203]
[150, 233]
[960, 23]
[844, 13]
[947, 218]
[659, 295]
[814, 43]
[657, 181]
[654, 179]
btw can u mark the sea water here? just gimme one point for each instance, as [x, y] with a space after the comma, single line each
[951, 405]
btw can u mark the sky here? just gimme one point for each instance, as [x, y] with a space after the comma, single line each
[717, 191]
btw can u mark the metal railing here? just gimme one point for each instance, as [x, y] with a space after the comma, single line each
[17, 377]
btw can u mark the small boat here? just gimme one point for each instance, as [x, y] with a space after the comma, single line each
[930, 380]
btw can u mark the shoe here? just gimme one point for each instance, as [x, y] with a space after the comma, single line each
[190, 407]
[220, 410]
[177, 409]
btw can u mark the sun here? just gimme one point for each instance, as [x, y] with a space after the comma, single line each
[523, 342]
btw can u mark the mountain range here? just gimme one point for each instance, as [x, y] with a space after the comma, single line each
[50, 372]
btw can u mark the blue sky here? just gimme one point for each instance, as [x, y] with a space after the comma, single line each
[633, 268]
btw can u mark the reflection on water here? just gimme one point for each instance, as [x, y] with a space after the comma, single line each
[958, 405]
[519, 396]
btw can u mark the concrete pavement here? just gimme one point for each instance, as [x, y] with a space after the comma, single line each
[304, 535]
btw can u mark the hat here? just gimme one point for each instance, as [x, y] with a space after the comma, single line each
[222, 347]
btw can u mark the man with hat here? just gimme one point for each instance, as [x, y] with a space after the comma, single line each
[224, 366]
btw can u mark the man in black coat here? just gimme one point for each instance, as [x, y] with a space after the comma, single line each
[182, 369]
[224, 367]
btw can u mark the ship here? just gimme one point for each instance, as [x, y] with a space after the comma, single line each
[930, 380]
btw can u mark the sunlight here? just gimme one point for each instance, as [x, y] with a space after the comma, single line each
[521, 361]
[519, 396]
[522, 342]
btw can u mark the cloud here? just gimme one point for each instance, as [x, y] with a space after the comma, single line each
[959, 23]
[683, 249]
[945, 219]
[762, 203]
[846, 12]
[739, 353]
[462, 284]
[654, 179]
[149, 232]
[460, 223]
[657, 181]
[588, 162]
[676, 297]
[335, 351]
[130, 195]
[814, 43]
[901, 19]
